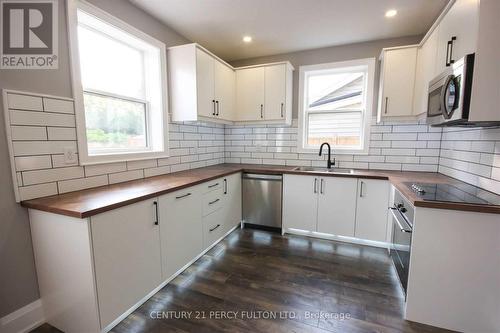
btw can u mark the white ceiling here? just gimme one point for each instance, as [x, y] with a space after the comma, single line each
[281, 26]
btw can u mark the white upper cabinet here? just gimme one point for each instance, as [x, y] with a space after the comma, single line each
[275, 93]
[264, 93]
[204, 87]
[371, 209]
[250, 93]
[397, 81]
[225, 91]
[426, 64]
[205, 84]
[201, 85]
[485, 88]
[458, 33]
[337, 205]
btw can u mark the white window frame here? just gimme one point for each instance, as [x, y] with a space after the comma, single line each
[368, 65]
[161, 148]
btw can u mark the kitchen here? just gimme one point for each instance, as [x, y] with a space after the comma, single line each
[212, 202]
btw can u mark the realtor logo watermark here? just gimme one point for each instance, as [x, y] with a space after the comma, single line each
[28, 36]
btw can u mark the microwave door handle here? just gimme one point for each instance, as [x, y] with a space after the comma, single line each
[452, 41]
[449, 43]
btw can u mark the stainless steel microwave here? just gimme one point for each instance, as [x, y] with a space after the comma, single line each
[448, 103]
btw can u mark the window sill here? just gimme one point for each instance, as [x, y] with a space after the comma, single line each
[122, 157]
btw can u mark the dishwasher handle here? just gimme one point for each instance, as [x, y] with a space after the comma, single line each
[262, 176]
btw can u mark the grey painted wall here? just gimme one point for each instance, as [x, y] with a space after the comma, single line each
[18, 283]
[331, 54]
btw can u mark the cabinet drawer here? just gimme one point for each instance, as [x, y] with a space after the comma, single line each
[212, 185]
[213, 227]
[212, 201]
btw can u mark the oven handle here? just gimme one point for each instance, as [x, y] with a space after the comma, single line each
[396, 217]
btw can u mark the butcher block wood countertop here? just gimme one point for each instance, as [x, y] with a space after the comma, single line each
[86, 203]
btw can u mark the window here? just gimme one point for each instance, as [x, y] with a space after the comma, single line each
[119, 88]
[335, 105]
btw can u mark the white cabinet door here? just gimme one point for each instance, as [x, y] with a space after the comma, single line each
[205, 84]
[462, 22]
[398, 82]
[232, 200]
[426, 64]
[181, 231]
[337, 206]
[275, 92]
[224, 91]
[300, 202]
[250, 93]
[126, 245]
[371, 209]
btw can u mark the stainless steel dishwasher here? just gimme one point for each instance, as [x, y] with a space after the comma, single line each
[262, 201]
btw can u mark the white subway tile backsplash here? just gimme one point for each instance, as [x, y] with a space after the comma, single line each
[58, 161]
[61, 133]
[37, 191]
[24, 148]
[125, 176]
[58, 105]
[35, 118]
[23, 133]
[51, 175]
[82, 183]
[24, 102]
[33, 162]
[101, 169]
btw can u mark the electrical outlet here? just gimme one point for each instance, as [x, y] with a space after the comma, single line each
[70, 155]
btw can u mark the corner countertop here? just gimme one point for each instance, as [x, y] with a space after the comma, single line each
[86, 203]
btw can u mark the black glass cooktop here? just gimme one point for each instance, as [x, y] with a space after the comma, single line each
[450, 193]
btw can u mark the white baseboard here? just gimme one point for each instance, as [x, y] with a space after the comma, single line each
[24, 319]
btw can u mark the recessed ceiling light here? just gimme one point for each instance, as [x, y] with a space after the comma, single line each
[391, 13]
[247, 39]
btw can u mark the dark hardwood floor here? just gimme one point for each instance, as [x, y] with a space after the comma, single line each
[310, 285]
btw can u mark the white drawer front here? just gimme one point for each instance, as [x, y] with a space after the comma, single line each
[212, 201]
[213, 227]
[212, 185]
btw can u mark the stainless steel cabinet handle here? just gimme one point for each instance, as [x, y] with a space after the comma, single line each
[262, 111]
[155, 203]
[281, 110]
[213, 105]
[213, 185]
[386, 102]
[212, 202]
[315, 185]
[218, 225]
[217, 103]
[321, 186]
[361, 189]
[225, 186]
[183, 196]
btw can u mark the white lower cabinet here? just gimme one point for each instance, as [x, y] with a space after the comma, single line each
[232, 201]
[180, 228]
[300, 202]
[126, 248]
[371, 209]
[339, 206]
[124, 255]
